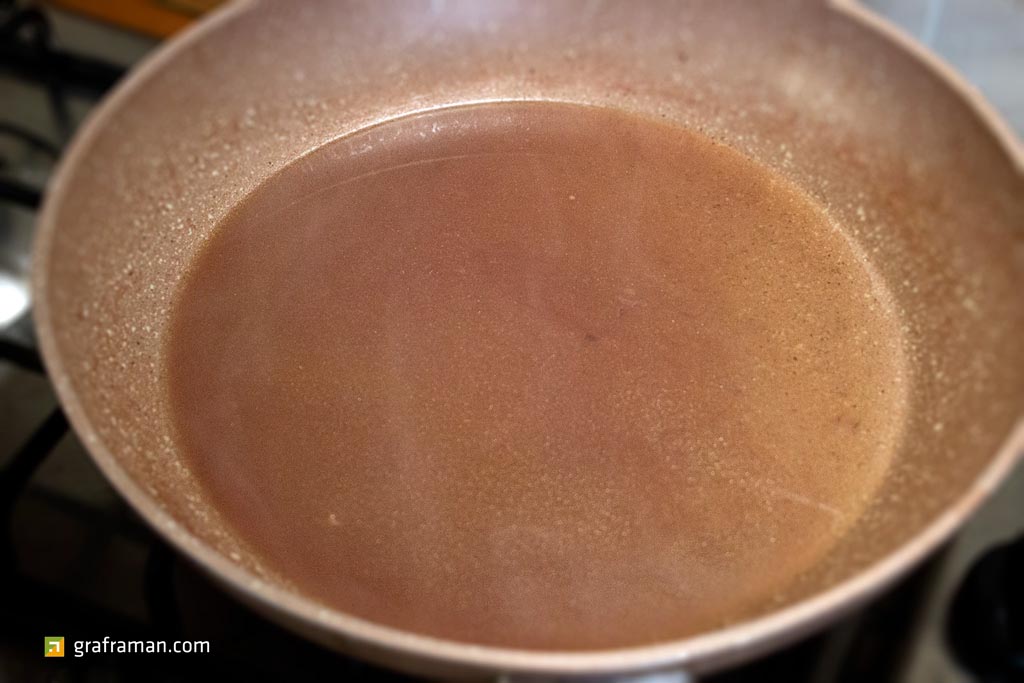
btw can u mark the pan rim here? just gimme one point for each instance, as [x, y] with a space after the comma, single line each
[715, 649]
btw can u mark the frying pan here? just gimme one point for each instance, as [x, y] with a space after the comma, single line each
[902, 155]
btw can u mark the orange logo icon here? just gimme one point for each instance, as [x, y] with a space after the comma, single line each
[54, 646]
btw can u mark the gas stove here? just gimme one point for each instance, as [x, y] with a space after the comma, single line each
[75, 560]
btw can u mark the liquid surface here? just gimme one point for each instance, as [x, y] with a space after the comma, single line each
[534, 375]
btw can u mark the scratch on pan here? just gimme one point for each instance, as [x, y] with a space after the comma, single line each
[780, 492]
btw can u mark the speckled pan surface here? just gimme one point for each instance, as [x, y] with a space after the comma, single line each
[922, 180]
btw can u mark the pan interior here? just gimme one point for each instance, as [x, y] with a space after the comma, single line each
[535, 375]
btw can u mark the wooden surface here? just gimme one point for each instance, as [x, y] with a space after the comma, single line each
[158, 18]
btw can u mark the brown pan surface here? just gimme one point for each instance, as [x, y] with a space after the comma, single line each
[883, 141]
[535, 375]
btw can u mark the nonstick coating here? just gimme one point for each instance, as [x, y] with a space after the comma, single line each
[923, 181]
